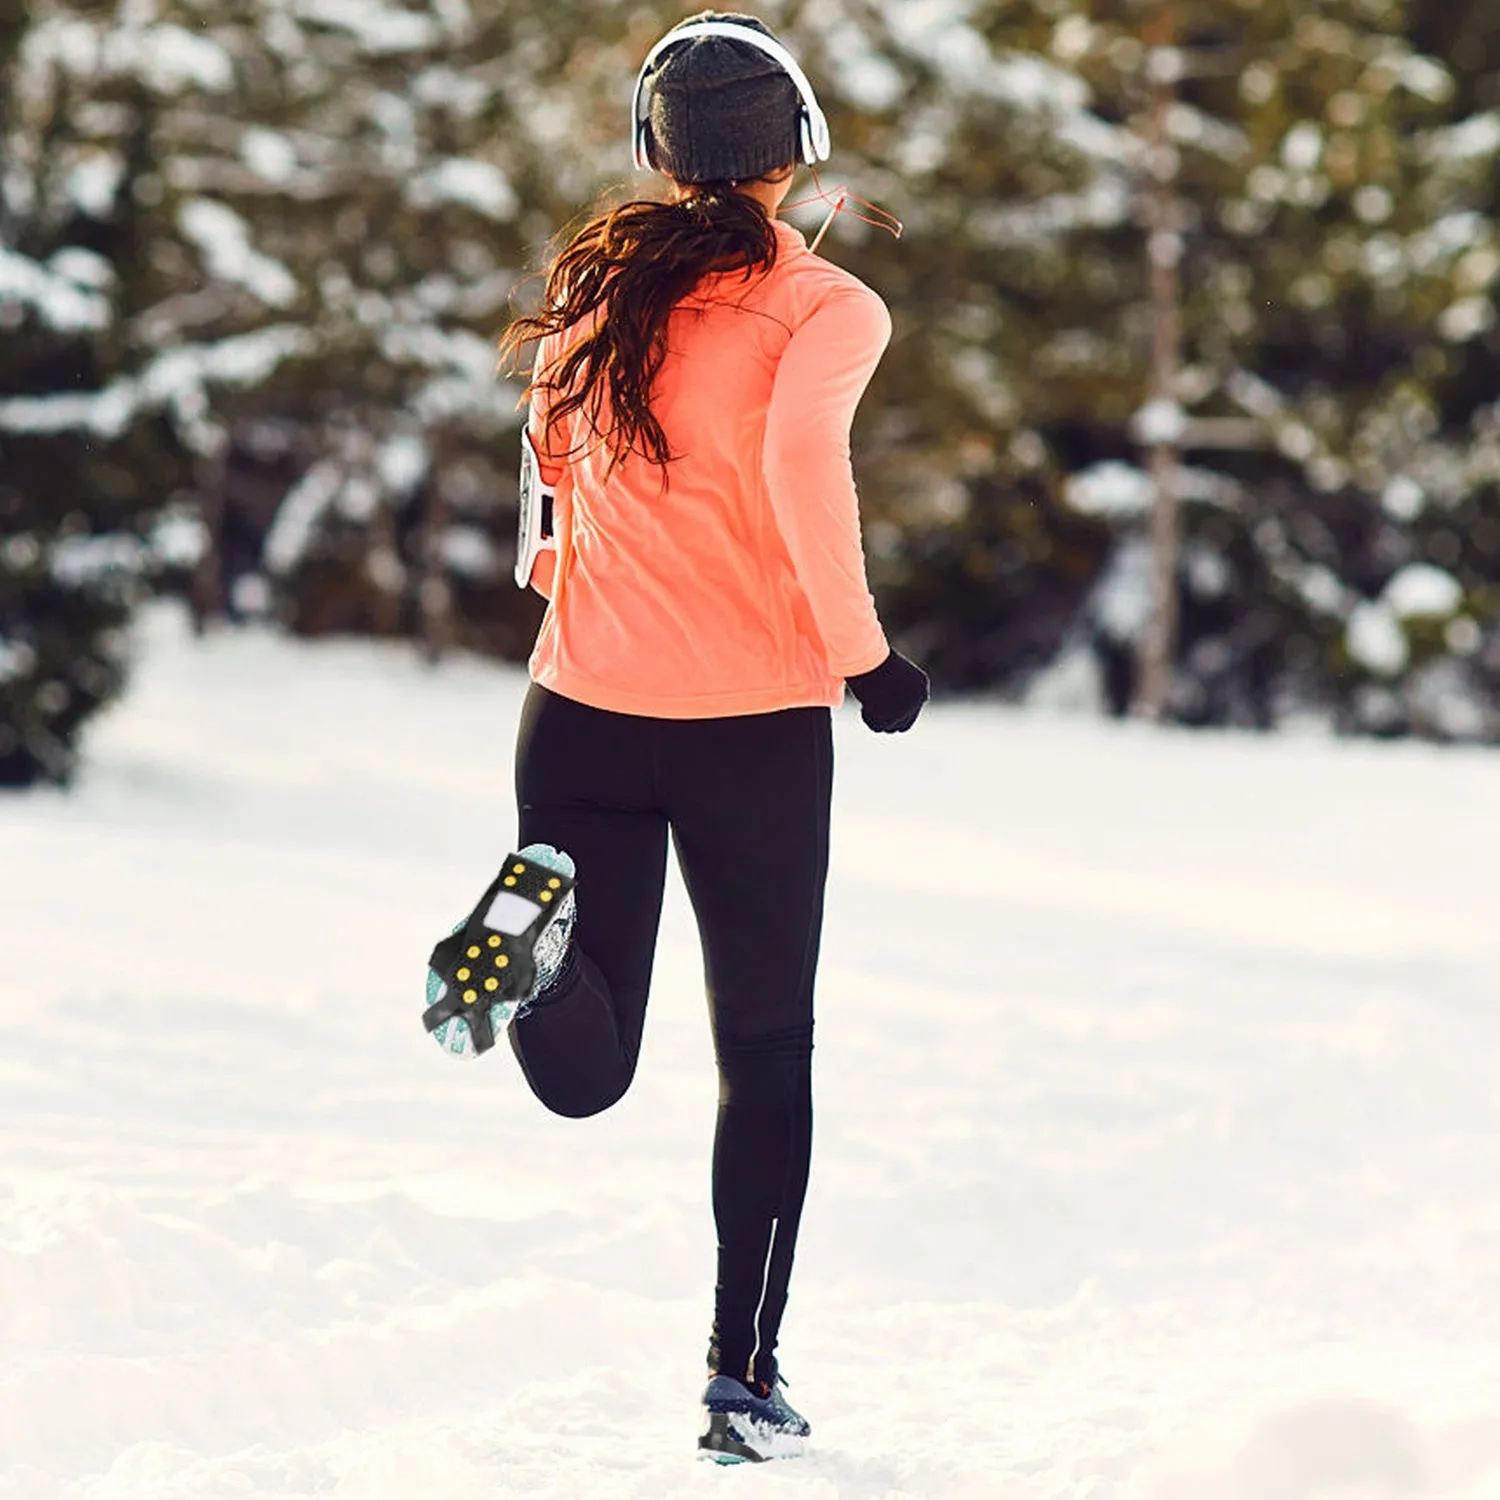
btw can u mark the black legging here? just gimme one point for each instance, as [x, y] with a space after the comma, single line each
[746, 800]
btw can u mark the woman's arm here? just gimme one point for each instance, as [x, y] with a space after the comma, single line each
[821, 377]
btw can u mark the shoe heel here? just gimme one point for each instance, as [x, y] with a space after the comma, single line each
[720, 1443]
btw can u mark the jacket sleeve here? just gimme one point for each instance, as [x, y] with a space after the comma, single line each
[822, 374]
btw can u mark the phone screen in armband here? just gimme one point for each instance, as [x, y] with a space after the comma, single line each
[534, 516]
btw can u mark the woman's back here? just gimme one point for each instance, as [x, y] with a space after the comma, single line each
[733, 581]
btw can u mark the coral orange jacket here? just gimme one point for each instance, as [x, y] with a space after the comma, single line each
[734, 584]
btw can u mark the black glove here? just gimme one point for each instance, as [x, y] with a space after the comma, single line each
[890, 695]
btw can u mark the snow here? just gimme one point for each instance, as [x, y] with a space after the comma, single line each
[1121, 490]
[1189, 126]
[1449, 235]
[1166, 65]
[939, 33]
[1296, 440]
[865, 77]
[64, 304]
[1103, 203]
[1478, 269]
[1403, 499]
[1463, 635]
[402, 461]
[467, 550]
[453, 349]
[1473, 140]
[1419, 589]
[17, 658]
[1466, 319]
[1121, 603]
[168, 58]
[176, 380]
[1026, 80]
[1322, 590]
[1160, 420]
[224, 239]
[1302, 147]
[81, 561]
[269, 154]
[1444, 696]
[381, 30]
[1254, 394]
[1205, 570]
[297, 517]
[1373, 203]
[1426, 78]
[457, 92]
[1152, 1163]
[94, 182]
[1109, 488]
[1375, 639]
[180, 539]
[479, 185]
[1209, 486]
[83, 267]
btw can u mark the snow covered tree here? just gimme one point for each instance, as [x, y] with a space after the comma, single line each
[382, 177]
[256, 259]
[84, 469]
[979, 567]
[1334, 259]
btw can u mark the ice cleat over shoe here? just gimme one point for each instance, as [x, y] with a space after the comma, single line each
[742, 1425]
[509, 950]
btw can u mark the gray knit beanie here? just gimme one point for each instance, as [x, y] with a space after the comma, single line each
[719, 110]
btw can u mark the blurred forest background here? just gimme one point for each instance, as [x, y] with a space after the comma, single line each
[1193, 403]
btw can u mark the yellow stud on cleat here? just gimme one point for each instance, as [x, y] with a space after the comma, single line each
[510, 880]
[474, 952]
[501, 961]
[518, 869]
[494, 942]
[554, 883]
[470, 996]
[544, 895]
[492, 984]
[461, 974]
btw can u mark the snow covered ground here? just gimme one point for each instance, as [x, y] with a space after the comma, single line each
[1155, 1154]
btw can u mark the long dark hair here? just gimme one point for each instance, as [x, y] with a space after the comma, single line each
[627, 268]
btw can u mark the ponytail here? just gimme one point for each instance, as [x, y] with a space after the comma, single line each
[626, 269]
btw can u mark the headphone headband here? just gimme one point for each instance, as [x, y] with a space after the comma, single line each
[816, 145]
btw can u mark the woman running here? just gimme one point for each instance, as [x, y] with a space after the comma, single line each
[691, 398]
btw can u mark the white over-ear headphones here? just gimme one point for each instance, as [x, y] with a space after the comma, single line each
[813, 123]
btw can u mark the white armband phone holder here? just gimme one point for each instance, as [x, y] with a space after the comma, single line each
[534, 518]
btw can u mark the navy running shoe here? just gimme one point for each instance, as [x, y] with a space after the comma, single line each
[744, 1424]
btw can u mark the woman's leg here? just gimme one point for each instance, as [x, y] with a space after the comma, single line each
[750, 808]
[585, 783]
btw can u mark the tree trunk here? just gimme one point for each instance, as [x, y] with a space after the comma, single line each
[1162, 436]
[435, 594]
[206, 601]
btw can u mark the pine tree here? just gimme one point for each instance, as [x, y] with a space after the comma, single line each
[1332, 255]
[84, 469]
[402, 168]
[1460, 683]
[977, 148]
